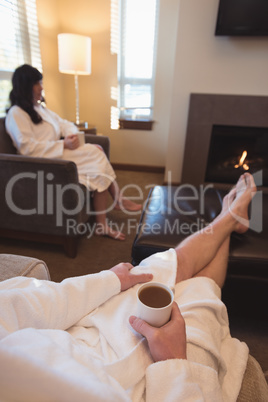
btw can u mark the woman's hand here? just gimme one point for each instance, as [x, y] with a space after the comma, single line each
[71, 141]
[127, 279]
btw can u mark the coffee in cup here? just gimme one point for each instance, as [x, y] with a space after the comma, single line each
[155, 303]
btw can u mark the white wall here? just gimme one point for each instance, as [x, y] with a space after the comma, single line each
[208, 64]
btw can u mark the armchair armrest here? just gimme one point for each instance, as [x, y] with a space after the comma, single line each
[39, 194]
[101, 140]
[16, 164]
[16, 265]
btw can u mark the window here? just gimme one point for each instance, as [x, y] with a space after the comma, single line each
[137, 41]
[19, 42]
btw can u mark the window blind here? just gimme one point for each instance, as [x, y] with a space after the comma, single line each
[19, 42]
[137, 58]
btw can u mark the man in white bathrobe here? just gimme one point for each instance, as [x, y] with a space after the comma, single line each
[80, 340]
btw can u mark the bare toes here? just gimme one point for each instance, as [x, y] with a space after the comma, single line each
[102, 230]
[128, 205]
[245, 191]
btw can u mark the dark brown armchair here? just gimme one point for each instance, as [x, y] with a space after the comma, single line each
[41, 199]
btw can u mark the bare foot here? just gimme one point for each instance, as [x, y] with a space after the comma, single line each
[106, 230]
[227, 200]
[238, 200]
[128, 205]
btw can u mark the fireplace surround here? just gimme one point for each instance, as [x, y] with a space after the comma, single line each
[207, 111]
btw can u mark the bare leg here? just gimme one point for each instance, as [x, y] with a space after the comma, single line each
[206, 252]
[217, 268]
[102, 227]
[114, 191]
[121, 202]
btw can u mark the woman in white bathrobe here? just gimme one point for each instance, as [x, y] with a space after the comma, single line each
[37, 131]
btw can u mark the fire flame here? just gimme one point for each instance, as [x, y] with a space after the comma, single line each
[241, 161]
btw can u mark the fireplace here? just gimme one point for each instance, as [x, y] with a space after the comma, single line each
[234, 150]
[226, 136]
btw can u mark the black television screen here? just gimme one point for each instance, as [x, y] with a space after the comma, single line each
[242, 18]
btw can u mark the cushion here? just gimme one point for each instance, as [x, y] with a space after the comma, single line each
[254, 386]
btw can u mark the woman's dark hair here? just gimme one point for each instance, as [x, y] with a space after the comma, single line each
[23, 80]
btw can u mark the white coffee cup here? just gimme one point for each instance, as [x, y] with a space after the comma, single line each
[81, 137]
[155, 303]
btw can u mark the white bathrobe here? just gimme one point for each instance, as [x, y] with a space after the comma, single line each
[43, 140]
[72, 341]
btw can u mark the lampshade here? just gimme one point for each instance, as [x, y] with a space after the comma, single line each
[74, 54]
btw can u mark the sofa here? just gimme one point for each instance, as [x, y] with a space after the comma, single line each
[40, 198]
[254, 386]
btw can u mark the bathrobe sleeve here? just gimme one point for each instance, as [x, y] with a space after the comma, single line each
[37, 140]
[28, 302]
[182, 380]
[37, 355]
[66, 127]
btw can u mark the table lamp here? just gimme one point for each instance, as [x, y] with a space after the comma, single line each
[75, 58]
